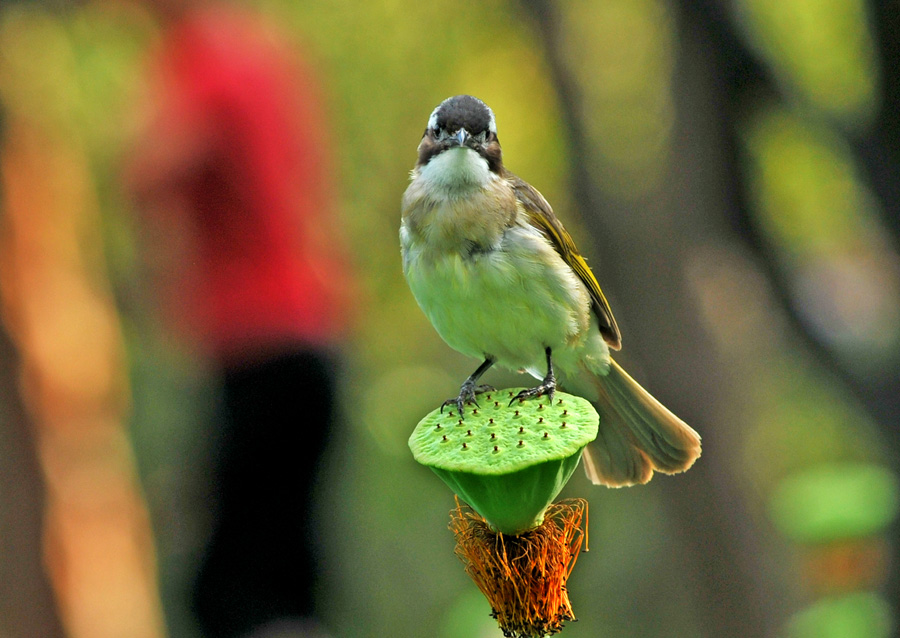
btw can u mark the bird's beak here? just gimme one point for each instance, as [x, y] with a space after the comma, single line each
[461, 136]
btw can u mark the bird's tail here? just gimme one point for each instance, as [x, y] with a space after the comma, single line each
[637, 436]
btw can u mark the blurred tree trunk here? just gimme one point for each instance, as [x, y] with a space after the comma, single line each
[881, 149]
[876, 150]
[646, 244]
[99, 548]
[27, 605]
[885, 20]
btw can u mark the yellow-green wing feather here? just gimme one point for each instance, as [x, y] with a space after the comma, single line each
[541, 215]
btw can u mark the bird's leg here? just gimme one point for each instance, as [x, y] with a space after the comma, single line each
[548, 385]
[469, 389]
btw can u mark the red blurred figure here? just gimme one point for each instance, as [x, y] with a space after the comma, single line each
[234, 179]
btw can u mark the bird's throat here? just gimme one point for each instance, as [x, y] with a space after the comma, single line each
[455, 173]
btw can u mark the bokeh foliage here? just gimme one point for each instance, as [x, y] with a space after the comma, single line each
[387, 555]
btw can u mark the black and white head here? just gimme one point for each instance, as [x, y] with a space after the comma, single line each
[460, 141]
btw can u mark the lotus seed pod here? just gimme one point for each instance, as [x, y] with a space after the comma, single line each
[508, 462]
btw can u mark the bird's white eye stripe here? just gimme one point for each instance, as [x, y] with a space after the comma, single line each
[432, 121]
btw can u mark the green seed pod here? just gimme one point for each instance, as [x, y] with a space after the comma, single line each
[507, 462]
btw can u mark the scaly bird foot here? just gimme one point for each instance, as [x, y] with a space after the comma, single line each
[547, 387]
[467, 393]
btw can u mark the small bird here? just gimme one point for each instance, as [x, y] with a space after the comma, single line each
[502, 281]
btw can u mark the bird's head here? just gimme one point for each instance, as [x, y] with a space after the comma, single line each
[461, 122]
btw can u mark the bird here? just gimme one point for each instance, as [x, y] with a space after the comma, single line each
[502, 281]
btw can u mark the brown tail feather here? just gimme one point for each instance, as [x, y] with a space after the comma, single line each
[637, 436]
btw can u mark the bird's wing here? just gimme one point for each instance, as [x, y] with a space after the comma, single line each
[541, 215]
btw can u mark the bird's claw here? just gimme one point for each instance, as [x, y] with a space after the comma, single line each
[547, 387]
[467, 394]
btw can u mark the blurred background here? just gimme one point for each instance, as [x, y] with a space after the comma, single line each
[729, 168]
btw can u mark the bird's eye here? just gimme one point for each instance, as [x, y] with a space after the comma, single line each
[436, 132]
